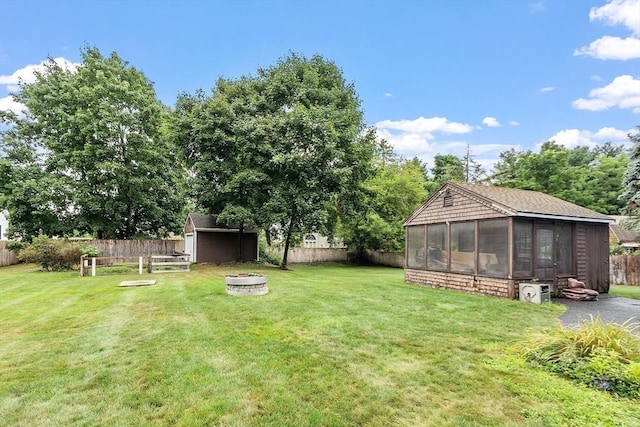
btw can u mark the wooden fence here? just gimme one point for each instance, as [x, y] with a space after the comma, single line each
[392, 259]
[310, 255]
[315, 255]
[133, 248]
[624, 270]
[7, 257]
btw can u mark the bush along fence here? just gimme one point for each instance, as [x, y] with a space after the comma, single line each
[624, 270]
[7, 257]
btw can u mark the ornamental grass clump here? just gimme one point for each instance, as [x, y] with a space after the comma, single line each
[605, 356]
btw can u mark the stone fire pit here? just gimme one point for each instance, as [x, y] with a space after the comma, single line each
[241, 285]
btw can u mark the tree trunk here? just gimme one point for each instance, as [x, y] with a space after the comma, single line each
[239, 256]
[287, 243]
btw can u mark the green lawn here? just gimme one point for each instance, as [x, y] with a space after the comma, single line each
[625, 291]
[328, 346]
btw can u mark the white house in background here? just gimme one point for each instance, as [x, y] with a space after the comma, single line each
[317, 240]
[4, 224]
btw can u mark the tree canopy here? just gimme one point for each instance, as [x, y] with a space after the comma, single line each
[90, 154]
[281, 148]
[630, 196]
[396, 189]
[587, 177]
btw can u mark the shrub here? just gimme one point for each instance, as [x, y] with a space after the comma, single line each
[264, 255]
[600, 355]
[15, 246]
[54, 254]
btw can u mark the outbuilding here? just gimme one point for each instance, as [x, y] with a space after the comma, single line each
[208, 241]
[486, 240]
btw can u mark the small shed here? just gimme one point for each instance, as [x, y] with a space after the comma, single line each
[208, 241]
[486, 240]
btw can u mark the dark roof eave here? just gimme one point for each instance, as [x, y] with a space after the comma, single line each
[225, 230]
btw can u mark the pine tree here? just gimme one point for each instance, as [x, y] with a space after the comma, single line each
[631, 183]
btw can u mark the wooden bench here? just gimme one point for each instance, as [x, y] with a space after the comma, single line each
[169, 264]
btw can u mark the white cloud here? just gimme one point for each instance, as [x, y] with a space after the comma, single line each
[622, 92]
[612, 134]
[547, 89]
[407, 144]
[609, 47]
[537, 6]
[415, 137]
[425, 126]
[492, 122]
[26, 74]
[572, 138]
[420, 138]
[388, 95]
[513, 123]
[8, 104]
[478, 149]
[619, 12]
[595, 78]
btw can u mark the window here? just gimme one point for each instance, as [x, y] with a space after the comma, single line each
[415, 247]
[522, 248]
[493, 245]
[310, 241]
[437, 255]
[463, 247]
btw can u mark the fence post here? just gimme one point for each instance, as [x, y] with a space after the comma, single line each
[93, 266]
[139, 265]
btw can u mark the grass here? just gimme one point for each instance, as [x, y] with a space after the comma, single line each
[329, 345]
[625, 291]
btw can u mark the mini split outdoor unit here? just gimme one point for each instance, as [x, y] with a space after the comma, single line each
[535, 292]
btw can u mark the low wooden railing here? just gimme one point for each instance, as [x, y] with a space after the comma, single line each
[155, 264]
[169, 264]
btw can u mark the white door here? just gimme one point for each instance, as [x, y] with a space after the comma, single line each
[188, 246]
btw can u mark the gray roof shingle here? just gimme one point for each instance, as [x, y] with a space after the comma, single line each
[205, 221]
[530, 203]
[208, 222]
[523, 203]
[623, 235]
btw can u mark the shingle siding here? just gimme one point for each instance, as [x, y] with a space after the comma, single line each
[504, 288]
[463, 209]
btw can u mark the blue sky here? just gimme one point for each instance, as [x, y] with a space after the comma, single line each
[433, 76]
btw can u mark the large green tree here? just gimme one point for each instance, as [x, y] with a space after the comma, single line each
[25, 188]
[584, 176]
[226, 148]
[631, 183]
[396, 189]
[447, 167]
[99, 132]
[281, 148]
